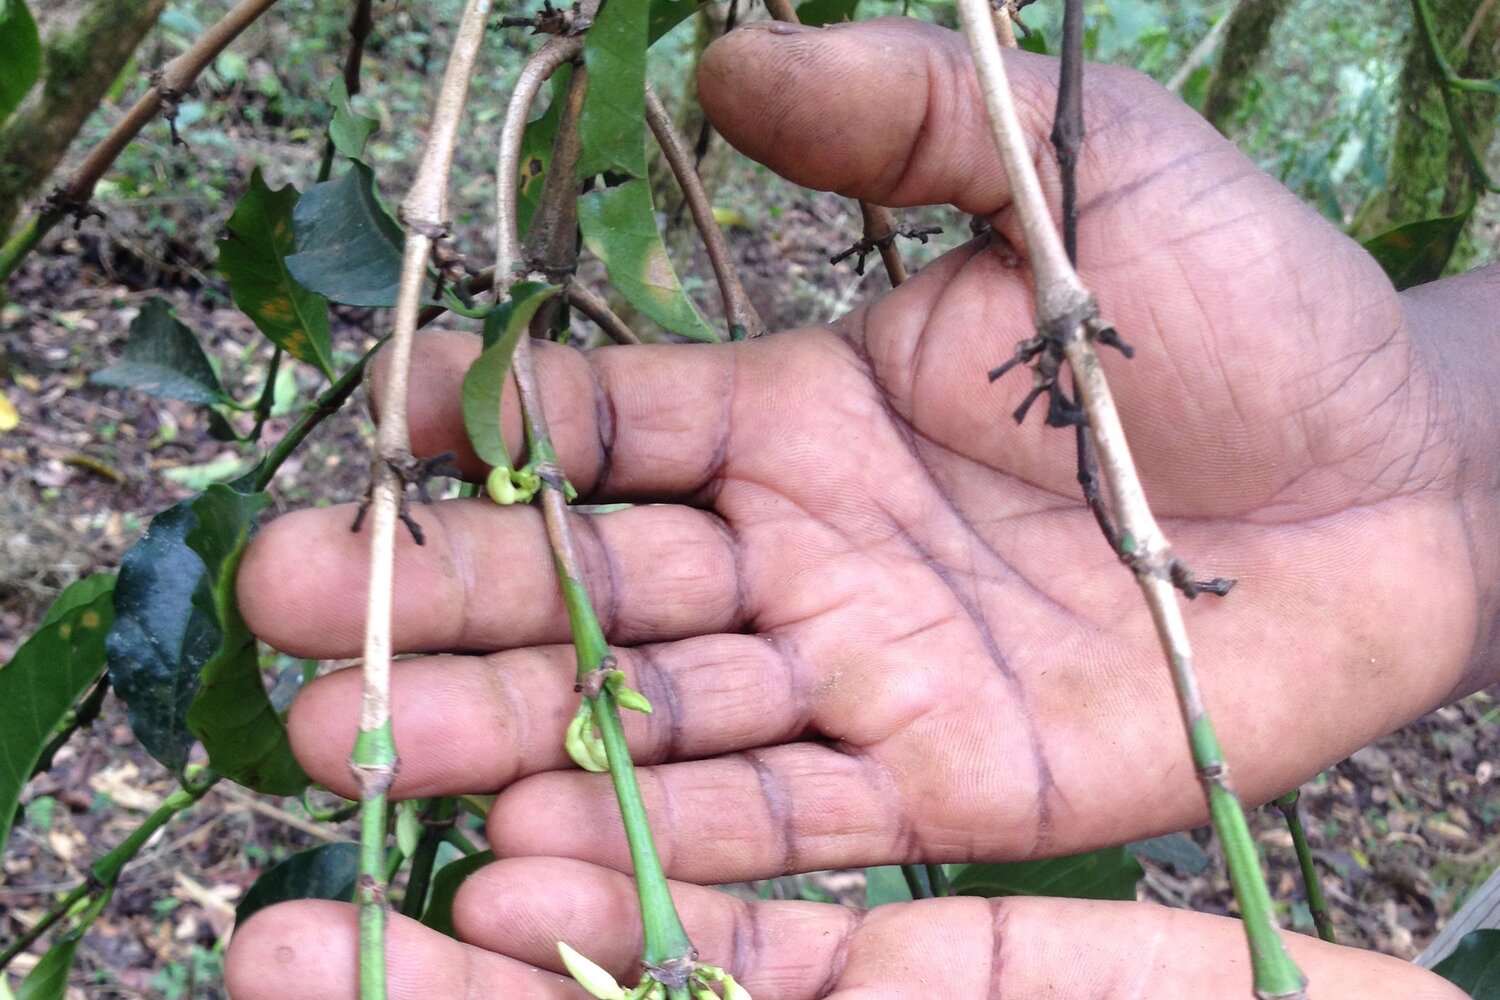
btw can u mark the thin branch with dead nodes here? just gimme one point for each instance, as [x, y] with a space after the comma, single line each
[1069, 325]
[423, 212]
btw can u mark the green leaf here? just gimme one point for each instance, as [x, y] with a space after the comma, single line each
[612, 125]
[49, 979]
[162, 358]
[348, 245]
[348, 129]
[329, 871]
[1474, 966]
[619, 227]
[180, 655]
[232, 715]
[45, 678]
[20, 54]
[1033, 42]
[816, 13]
[485, 380]
[668, 14]
[445, 884]
[252, 258]
[1175, 849]
[536, 151]
[1415, 253]
[884, 885]
[1108, 874]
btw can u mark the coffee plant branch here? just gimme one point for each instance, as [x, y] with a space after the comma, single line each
[423, 213]
[1069, 325]
[167, 87]
[744, 321]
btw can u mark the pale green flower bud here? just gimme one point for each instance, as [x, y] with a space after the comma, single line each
[733, 990]
[632, 699]
[591, 977]
[586, 749]
[499, 486]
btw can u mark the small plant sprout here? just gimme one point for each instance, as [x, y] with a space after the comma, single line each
[680, 980]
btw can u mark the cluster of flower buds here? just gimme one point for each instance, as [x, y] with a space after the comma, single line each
[582, 740]
[603, 986]
[507, 486]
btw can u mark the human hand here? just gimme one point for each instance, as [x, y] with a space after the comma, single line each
[876, 623]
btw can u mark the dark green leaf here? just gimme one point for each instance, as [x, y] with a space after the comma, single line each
[612, 126]
[816, 13]
[1034, 42]
[1415, 253]
[1474, 966]
[252, 258]
[162, 358]
[885, 885]
[1175, 849]
[328, 871]
[20, 54]
[485, 379]
[231, 714]
[348, 246]
[439, 912]
[179, 640]
[348, 129]
[619, 227]
[49, 979]
[46, 677]
[1108, 874]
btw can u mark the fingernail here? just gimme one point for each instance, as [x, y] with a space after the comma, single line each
[777, 27]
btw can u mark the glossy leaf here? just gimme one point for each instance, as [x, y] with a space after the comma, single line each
[445, 885]
[1415, 253]
[348, 245]
[485, 380]
[20, 54]
[231, 714]
[1108, 874]
[178, 640]
[1474, 966]
[329, 871]
[162, 358]
[816, 13]
[49, 979]
[619, 227]
[46, 677]
[348, 129]
[253, 256]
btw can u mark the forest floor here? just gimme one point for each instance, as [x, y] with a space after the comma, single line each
[1403, 830]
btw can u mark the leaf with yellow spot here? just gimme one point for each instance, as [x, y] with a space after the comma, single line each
[253, 256]
[51, 671]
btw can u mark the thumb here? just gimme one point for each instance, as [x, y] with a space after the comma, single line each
[889, 111]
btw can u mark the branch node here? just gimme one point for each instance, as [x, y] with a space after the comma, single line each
[591, 684]
[865, 246]
[552, 20]
[410, 471]
[60, 203]
[674, 973]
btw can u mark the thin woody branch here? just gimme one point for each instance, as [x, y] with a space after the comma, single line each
[1069, 325]
[374, 761]
[741, 315]
[880, 228]
[596, 309]
[167, 87]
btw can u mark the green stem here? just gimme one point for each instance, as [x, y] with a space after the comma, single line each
[1275, 974]
[105, 872]
[455, 836]
[914, 883]
[1451, 82]
[374, 759]
[938, 880]
[267, 394]
[325, 406]
[666, 941]
[1317, 905]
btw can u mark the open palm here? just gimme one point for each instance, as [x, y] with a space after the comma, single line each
[875, 620]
